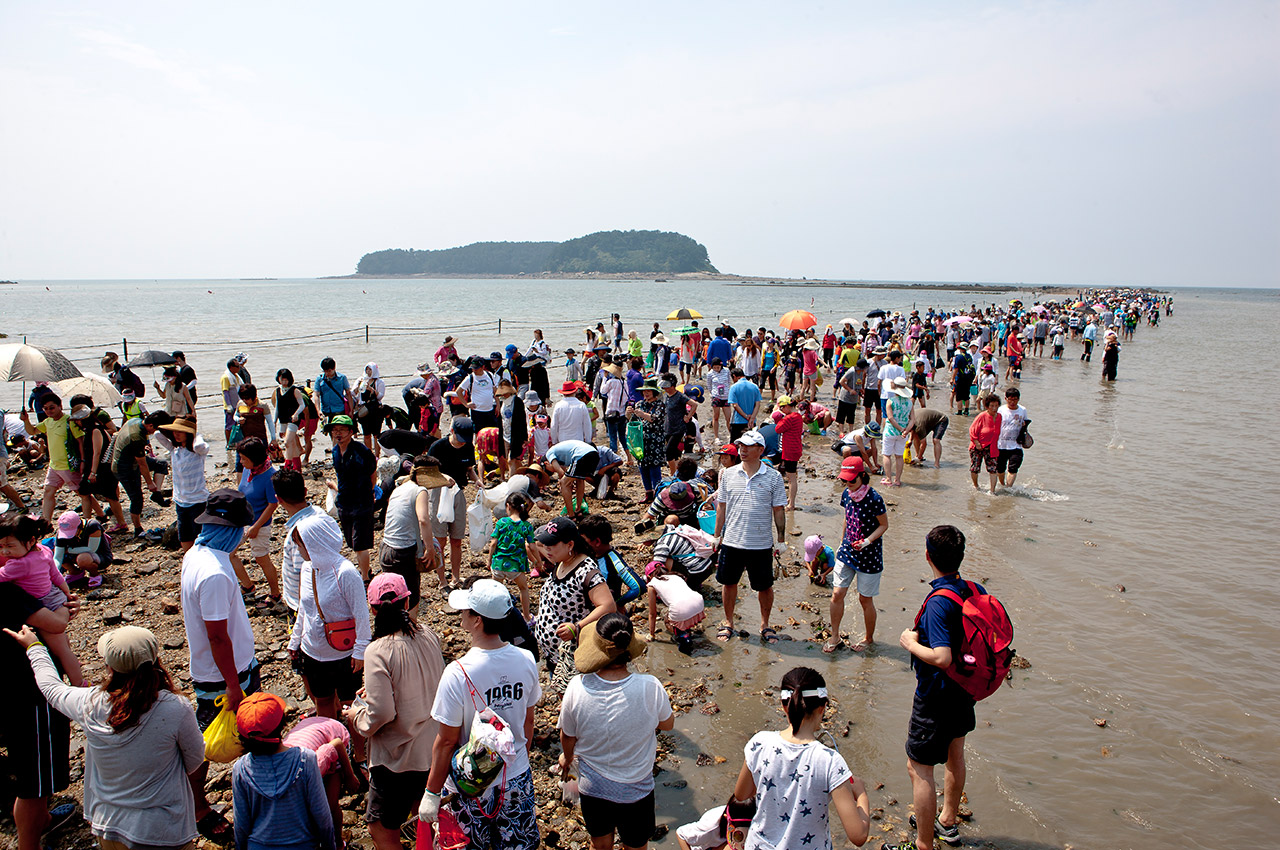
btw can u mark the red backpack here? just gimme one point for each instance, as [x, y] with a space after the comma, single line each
[985, 653]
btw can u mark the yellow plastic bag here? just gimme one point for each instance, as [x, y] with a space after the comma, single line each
[222, 739]
[906, 453]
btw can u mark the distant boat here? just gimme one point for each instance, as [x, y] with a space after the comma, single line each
[660, 280]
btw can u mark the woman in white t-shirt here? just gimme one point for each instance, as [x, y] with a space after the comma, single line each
[795, 780]
[604, 721]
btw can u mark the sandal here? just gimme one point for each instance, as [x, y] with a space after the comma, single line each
[215, 827]
[768, 635]
[60, 816]
[94, 581]
[724, 633]
[832, 645]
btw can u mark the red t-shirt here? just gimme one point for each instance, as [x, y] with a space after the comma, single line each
[789, 429]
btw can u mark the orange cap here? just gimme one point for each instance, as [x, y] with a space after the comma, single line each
[261, 716]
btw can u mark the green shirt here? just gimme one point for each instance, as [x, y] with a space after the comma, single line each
[510, 555]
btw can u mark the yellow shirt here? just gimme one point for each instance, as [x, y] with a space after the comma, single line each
[56, 432]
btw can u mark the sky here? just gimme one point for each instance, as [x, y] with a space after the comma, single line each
[1085, 143]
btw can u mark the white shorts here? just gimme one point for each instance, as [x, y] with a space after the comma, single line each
[894, 446]
[259, 546]
[845, 575]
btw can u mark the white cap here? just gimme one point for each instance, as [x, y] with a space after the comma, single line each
[486, 597]
[750, 438]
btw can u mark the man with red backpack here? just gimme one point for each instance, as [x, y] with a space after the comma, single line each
[960, 652]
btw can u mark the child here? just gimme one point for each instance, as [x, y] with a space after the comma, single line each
[511, 548]
[29, 564]
[685, 606]
[541, 441]
[712, 831]
[572, 369]
[1059, 340]
[920, 384]
[328, 739]
[694, 428]
[623, 583]
[861, 554]
[81, 547]
[819, 559]
[634, 347]
[277, 791]
[988, 380]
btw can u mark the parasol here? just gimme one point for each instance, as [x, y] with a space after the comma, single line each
[874, 313]
[19, 362]
[959, 320]
[846, 321]
[685, 330]
[98, 388]
[797, 320]
[683, 313]
[152, 357]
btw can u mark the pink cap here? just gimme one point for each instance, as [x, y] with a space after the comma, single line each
[812, 546]
[387, 587]
[653, 566]
[68, 524]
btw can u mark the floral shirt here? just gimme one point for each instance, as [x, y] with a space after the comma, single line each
[510, 555]
[654, 431]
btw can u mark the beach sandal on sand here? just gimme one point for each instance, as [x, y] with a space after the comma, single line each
[859, 646]
[94, 581]
[724, 633]
[768, 635]
[832, 645]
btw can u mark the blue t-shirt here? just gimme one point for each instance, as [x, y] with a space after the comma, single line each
[746, 395]
[332, 393]
[940, 625]
[260, 491]
[860, 519]
[720, 347]
[569, 452]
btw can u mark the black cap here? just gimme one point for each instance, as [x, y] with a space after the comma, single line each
[559, 530]
[226, 507]
[463, 427]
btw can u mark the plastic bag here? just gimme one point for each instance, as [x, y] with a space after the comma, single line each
[444, 513]
[481, 760]
[221, 739]
[331, 503]
[635, 439]
[480, 520]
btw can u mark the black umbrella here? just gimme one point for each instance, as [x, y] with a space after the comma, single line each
[874, 313]
[152, 357]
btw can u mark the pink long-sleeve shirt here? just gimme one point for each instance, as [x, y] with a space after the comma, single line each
[35, 572]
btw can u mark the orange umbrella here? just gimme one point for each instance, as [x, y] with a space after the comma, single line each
[797, 320]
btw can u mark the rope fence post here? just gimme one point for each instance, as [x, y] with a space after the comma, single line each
[499, 325]
[124, 343]
[366, 334]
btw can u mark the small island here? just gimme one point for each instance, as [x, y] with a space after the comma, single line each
[647, 252]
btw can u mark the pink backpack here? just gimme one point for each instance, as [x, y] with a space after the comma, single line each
[985, 652]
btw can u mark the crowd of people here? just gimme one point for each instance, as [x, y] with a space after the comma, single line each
[478, 447]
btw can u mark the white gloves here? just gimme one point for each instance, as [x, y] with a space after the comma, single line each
[779, 548]
[429, 808]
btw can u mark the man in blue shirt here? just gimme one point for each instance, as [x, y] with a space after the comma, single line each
[942, 712]
[719, 347]
[357, 471]
[1090, 337]
[332, 390]
[744, 404]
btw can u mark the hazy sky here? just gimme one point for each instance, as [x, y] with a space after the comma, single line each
[1068, 142]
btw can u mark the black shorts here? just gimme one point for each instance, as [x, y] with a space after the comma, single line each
[371, 422]
[736, 430]
[935, 723]
[404, 563]
[393, 796]
[207, 709]
[38, 740]
[585, 466]
[917, 392]
[188, 528]
[941, 430]
[979, 456]
[871, 398]
[758, 564]
[1010, 460]
[325, 678]
[846, 413]
[634, 822]
[675, 446]
[790, 465]
[357, 530]
[719, 402]
[105, 484]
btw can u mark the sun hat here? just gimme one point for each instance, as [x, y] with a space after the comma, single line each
[973, 344]
[486, 597]
[812, 345]
[448, 340]
[986, 350]
[600, 346]
[127, 648]
[659, 339]
[750, 438]
[987, 367]
[424, 368]
[226, 507]
[899, 387]
[872, 430]
[812, 546]
[785, 401]
[68, 524]
[534, 469]
[186, 426]
[595, 653]
[532, 399]
[81, 411]
[426, 473]
[387, 587]
[651, 385]
[341, 419]
[569, 388]
[613, 369]
[851, 467]
[261, 716]
[503, 391]
[559, 530]
[677, 496]
[880, 350]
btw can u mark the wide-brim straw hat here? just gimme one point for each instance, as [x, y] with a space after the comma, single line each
[429, 477]
[534, 469]
[186, 426]
[659, 339]
[595, 653]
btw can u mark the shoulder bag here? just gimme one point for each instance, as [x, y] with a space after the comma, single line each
[340, 634]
